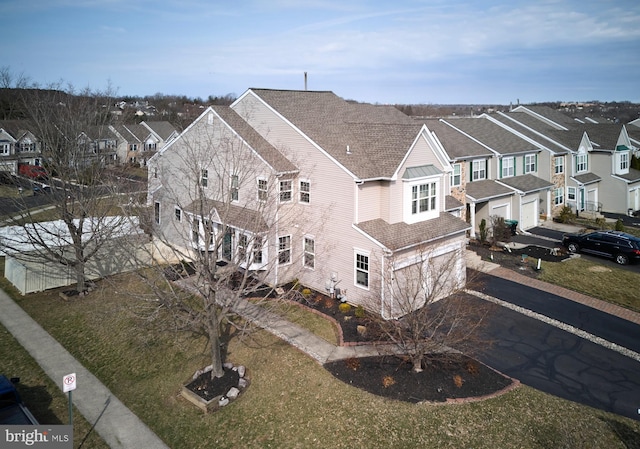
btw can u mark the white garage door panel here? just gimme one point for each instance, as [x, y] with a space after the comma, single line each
[501, 210]
[529, 215]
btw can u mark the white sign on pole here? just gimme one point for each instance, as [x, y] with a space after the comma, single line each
[69, 382]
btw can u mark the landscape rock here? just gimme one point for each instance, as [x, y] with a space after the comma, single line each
[233, 393]
[243, 383]
[223, 401]
[241, 371]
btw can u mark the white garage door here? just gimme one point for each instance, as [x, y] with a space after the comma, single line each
[501, 210]
[529, 215]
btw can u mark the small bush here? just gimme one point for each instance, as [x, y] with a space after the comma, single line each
[306, 292]
[472, 368]
[601, 223]
[457, 380]
[501, 232]
[353, 363]
[359, 312]
[619, 225]
[387, 381]
[566, 215]
[344, 307]
[483, 231]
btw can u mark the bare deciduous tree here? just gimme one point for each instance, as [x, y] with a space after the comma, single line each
[71, 141]
[221, 211]
[429, 312]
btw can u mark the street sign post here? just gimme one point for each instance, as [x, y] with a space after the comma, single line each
[68, 385]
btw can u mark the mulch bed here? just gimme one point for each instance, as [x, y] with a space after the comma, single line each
[208, 388]
[523, 260]
[445, 378]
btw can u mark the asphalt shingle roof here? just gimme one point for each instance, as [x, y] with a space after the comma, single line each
[528, 131]
[268, 152]
[486, 190]
[527, 183]
[587, 178]
[377, 137]
[456, 145]
[232, 215]
[402, 235]
[493, 135]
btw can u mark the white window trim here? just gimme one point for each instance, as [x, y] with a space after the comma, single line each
[305, 252]
[283, 250]
[177, 213]
[204, 177]
[453, 175]
[571, 190]
[300, 191]
[512, 161]
[280, 191]
[483, 169]
[259, 190]
[367, 254]
[559, 191]
[578, 164]
[528, 164]
[408, 215]
[558, 168]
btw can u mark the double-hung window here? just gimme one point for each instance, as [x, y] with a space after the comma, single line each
[284, 250]
[309, 259]
[581, 162]
[571, 193]
[479, 170]
[456, 175]
[234, 188]
[558, 163]
[305, 187]
[624, 161]
[558, 196]
[286, 190]
[5, 149]
[508, 167]
[423, 198]
[530, 163]
[362, 270]
[204, 177]
[178, 214]
[156, 212]
[262, 189]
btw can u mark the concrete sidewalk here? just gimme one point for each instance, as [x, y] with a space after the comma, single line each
[118, 425]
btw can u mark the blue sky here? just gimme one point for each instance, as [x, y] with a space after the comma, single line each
[403, 51]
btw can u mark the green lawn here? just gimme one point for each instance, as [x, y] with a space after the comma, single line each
[292, 401]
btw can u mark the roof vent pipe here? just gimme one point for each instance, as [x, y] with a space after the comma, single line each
[305, 80]
[348, 150]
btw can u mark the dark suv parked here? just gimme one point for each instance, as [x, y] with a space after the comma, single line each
[623, 248]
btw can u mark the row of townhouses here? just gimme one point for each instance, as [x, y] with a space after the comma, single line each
[135, 143]
[353, 196]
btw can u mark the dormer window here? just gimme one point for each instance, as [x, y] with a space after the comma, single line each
[423, 198]
[581, 162]
[421, 193]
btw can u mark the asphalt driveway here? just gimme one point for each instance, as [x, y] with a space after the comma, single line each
[560, 363]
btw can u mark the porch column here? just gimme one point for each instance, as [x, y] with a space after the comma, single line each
[549, 206]
[472, 211]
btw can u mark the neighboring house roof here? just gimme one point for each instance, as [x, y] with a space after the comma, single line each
[526, 183]
[99, 133]
[514, 121]
[264, 149]
[401, 235]
[163, 129]
[493, 135]
[455, 144]
[451, 203]
[631, 177]
[124, 132]
[370, 141]
[486, 189]
[141, 132]
[235, 216]
[17, 128]
[549, 113]
[587, 178]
